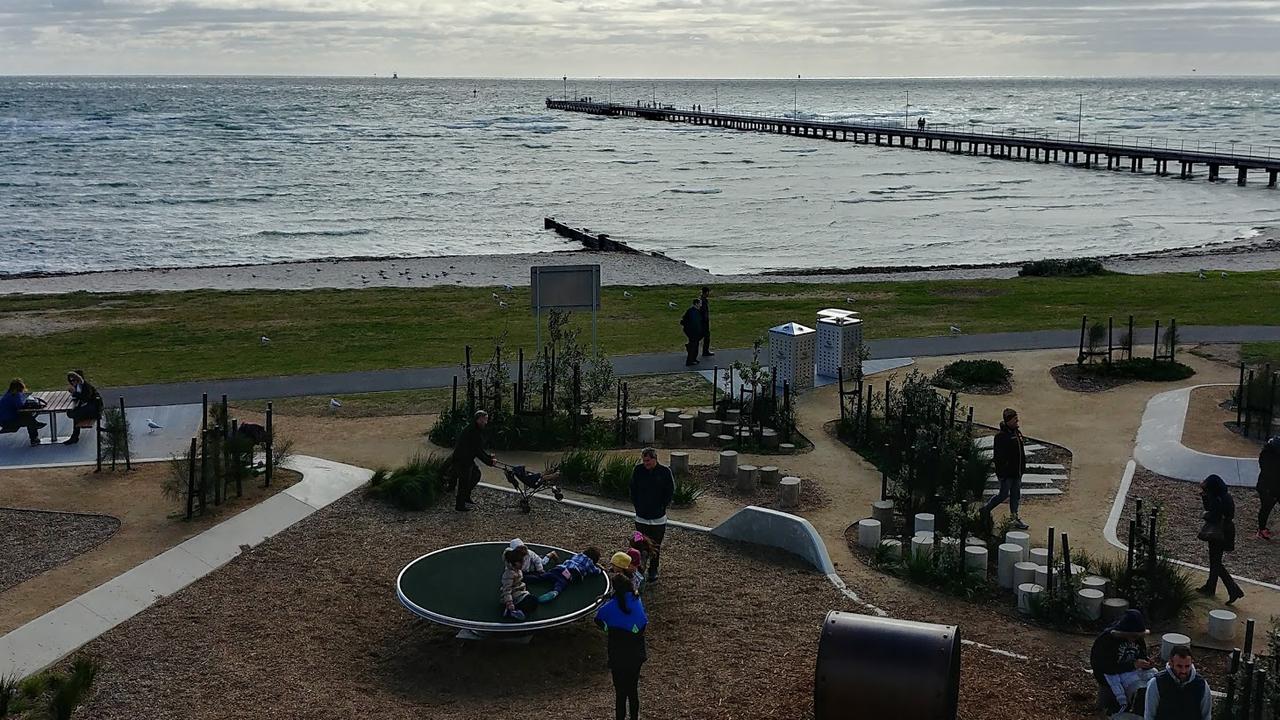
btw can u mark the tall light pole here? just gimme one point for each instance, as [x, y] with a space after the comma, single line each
[795, 111]
[906, 112]
[717, 106]
[566, 87]
[1080, 119]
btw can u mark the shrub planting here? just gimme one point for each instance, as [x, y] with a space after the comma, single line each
[1075, 267]
[415, 486]
[966, 374]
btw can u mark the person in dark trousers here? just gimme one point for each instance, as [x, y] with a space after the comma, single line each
[623, 617]
[88, 404]
[1219, 532]
[1119, 660]
[706, 321]
[1268, 484]
[1178, 693]
[12, 418]
[1011, 463]
[691, 323]
[468, 449]
[652, 487]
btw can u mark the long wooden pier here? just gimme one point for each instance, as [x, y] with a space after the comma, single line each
[1032, 148]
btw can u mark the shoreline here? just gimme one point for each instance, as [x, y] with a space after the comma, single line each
[1261, 252]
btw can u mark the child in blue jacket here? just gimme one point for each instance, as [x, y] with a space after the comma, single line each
[581, 565]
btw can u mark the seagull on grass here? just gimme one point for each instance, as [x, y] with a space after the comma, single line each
[334, 404]
[671, 305]
[848, 301]
[502, 303]
[264, 340]
[1224, 276]
[154, 425]
[626, 293]
[495, 296]
[508, 288]
[955, 330]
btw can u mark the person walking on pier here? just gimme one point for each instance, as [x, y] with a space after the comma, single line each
[691, 323]
[706, 321]
[1008, 450]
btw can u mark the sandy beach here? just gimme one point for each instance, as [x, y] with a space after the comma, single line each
[1261, 252]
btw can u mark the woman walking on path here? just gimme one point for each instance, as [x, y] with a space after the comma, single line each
[1268, 484]
[1219, 531]
[624, 619]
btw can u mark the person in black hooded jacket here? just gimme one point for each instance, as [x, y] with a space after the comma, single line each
[691, 324]
[1119, 660]
[1268, 484]
[1219, 532]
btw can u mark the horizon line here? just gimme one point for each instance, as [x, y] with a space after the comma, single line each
[603, 78]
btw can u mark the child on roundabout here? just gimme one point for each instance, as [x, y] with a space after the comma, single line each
[532, 562]
[624, 619]
[517, 601]
[577, 567]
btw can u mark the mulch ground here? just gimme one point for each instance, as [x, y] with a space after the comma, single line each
[1182, 510]
[307, 626]
[812, 496]
[33, 541]
[1002, 388]
[1076, 378]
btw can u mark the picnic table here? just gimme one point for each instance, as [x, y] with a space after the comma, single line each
[56, 402]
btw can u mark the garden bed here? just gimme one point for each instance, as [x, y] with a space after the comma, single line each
[306, 626]
[1099, 377]
[1181, 520]
[975, 377]
[33, 541]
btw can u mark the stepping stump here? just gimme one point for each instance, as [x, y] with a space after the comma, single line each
[1019, 537]
[631, 426]
[700, 439]
[893, 548]
[1024, 572]
[769, 475]
[1222, 625]
[724, 440]
[679, 464]
[686, 424]
[1039, 555]
[671, 433]
[1090, 603]
[921, 546]
[1042, 575]
[670, 415]
[700, 422]
[1169, 641]
[770, 438]
[728, 464]
[1007, 555]
[732, 416]
[1027, 592]
[869, 533]
[882, 510]
[975, 559]
[789, 492]
[645, 429]
[746, 478]
[924, 523]
[712, 427]
[1095, 582]
[1113, 608]
[787, 448]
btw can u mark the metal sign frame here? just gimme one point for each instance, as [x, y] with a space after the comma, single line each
[564, 287]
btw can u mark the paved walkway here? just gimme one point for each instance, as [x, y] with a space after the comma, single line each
[59, 632]
[365, 381]
[1159, 445]
[178, 424]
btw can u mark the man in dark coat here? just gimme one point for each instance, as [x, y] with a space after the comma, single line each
[1119, 662]
[468, 449]
[1008, 450]
[706, 321]
[1178, 693]
[1219, 514]
[1268, 484]
[691, 323]
[652, 487]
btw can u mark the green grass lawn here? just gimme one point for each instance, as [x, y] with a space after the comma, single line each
[137, 338]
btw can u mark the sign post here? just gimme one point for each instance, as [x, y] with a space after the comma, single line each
[565, 287]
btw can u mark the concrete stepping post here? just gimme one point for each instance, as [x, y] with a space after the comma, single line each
[1113, 608]
[789, 492]
[1018, 537]
[686, 424]
[1169, 641]
[631, 425]
[679, 464]
[746, 478]
[712, 427]
[1095, 582]
[893, 548]
[975, 559]
[723, 440]
[1090, 603]
[704, 414]
[645, 428]
[1027, 593]
[728, 464]
[671, 434]
[1222, 625]
[869, 533]
[1038, 555]
[1042, 575]
[882, 510]
[1024, 571]
[924, 523]
[732, 416]
[770, 438]
[670, 415]
[921, 546]
[700, 439]
[787, 448]
[1007, 555]
[770, 475]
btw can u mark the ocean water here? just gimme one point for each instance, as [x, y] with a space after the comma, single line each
[111, 173]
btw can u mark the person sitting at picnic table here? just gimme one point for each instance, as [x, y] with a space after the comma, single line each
[12, 418]
[88, 404]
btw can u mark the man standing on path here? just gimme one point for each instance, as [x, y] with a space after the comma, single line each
[1011, 462]
[468, 449]
[1268, 484]
[652, 487]
[1178, 693]
[691, 324]
[706, 321]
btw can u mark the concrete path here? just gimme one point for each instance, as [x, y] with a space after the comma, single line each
[1159, 445]
[59, 632]
[643, 364]
[179, 423]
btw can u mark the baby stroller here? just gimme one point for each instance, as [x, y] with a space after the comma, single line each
[528, 484]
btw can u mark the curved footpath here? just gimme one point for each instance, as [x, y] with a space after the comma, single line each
[1159, 446]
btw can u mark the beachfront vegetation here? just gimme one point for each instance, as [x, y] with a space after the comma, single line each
[133, 338]
[1075, 267]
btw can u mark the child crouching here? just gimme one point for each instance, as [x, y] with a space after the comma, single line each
[517, 601]
[573, 570]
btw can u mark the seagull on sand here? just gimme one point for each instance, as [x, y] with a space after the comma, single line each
[154, 425]
[955, 330]
[264, 340]
[334, 404]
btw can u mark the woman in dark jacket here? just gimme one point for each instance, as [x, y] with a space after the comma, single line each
[88, 404]
[624, 619]
[1219, 532]
[1268, 484]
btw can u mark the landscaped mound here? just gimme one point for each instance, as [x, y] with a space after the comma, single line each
[976, 377]
[1097, 377]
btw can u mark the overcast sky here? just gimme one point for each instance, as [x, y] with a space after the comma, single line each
[641, 38]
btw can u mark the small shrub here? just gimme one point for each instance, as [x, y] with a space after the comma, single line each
[1059, 607]
[1164, 593]
[972, 373]
[415, 486]
[882, 558]
[581, 467]
[36, 685]
[8, 689]
[1075, 267]
[1152, 371]
[115, 436]
[687, 491]
[71, 691]
[615, 476]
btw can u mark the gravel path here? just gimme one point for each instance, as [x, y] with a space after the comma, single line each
[1254, 558]
[307, 626]
[33, 541]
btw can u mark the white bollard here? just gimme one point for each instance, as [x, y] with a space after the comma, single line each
[1113, 608]
[1026, 593]
[869, 533]
[975, 559]
[686, 424]
[644, 429]
[1024, 572]
[1222, 625]
[679, 463]
[924, 522]
[670, 415]
[704, 414]
[1039, 556]
[1095, 582]
[1169, 641]
[1018, 537]
[921, 546]
[1090, 603]
[1007, 555]
[882, 510]
[728, 464]
[893, 548]
[1042, 575]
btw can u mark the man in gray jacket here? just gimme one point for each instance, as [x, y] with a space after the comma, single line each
[1178, 693]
